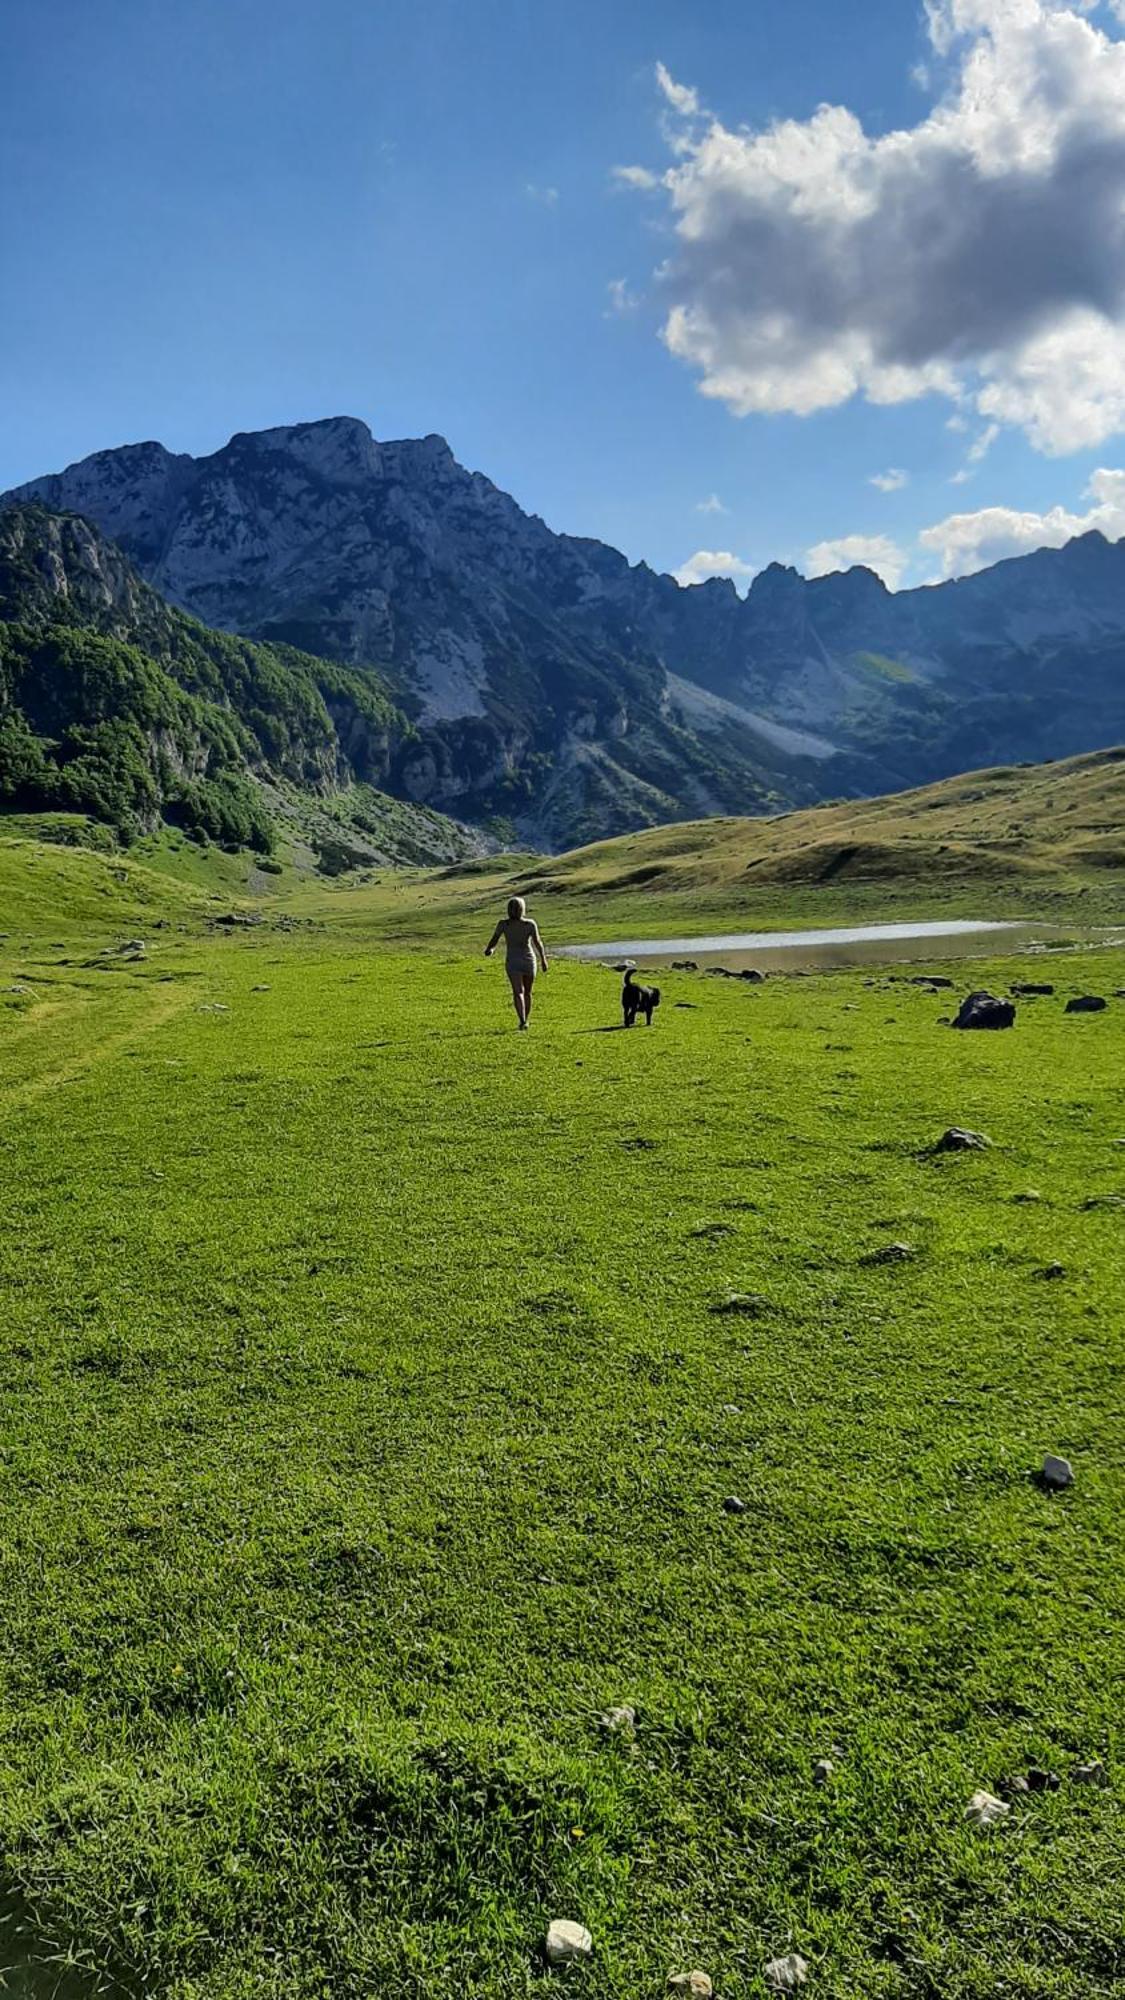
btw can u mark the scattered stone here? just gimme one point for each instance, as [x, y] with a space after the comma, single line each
[1027, 1195]
[1042, 1781]
[1051, 1271]
[241, 920]
[696, 1984]
[753, 976]
[1057, 1473]
[1086, 1003]
[748, 1305]
[684, 965]
[959, 1140]
[733, 1505]
[822, 1770]
[1028, 990]
[890, 1253]
[984, 1010]
[930, 979]
[985, 1809]
[621, 1721]
[1104, 1201]
[567, 1942]
[786, 1974]
[1014, 1787]
[259, 989]
[1090, 1774]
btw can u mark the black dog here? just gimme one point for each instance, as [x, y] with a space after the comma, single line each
[638, 1000]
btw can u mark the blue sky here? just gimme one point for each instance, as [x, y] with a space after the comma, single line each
[231, 214]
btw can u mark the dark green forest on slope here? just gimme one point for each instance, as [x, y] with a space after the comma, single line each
[115, 705]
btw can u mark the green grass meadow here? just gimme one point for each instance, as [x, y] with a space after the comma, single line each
[366, 1427]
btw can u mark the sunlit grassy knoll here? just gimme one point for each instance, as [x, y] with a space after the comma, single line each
[1043, 840]
[366, 1431]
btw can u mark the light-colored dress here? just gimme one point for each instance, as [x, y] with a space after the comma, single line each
[519, 950]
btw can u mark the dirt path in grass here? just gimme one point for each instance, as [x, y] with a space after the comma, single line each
[154, 1010]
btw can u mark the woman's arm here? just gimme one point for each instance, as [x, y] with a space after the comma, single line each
[539, 946]
[494, 940]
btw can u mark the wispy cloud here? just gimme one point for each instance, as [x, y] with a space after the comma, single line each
[891, 481]
[622, 299]
[682, 98]
[978, 451]
[546, 196]
[636, 177]
[712, 505]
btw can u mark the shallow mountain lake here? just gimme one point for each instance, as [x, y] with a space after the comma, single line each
[823, 950]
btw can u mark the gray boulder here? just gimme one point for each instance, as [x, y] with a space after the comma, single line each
[959, 1140]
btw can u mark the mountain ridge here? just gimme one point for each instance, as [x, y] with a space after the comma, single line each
[551, 681]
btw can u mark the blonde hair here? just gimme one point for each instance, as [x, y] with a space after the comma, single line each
[516, 906]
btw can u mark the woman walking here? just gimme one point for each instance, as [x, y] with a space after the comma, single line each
[523, 945]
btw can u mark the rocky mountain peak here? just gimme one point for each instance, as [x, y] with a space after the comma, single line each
[548, 672]
[339, 450]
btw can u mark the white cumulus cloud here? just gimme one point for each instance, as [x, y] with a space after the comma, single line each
[977, 255]
[891, 481]
[967, 542]
[706, 563]
[877, 552]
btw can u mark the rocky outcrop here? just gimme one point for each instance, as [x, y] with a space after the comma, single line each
[114, 704]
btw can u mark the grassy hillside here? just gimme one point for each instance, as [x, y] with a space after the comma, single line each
[1048, 828]
[367, 1426]
[1042, 840]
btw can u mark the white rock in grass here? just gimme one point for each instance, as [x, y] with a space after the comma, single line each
[567, 1941]
[786, 1974]
[620, 1721]
[696, 1984]
[984, 1809]
[1057, 1472]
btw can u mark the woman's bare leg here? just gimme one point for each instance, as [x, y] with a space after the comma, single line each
[528, 986]
[518, 999]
